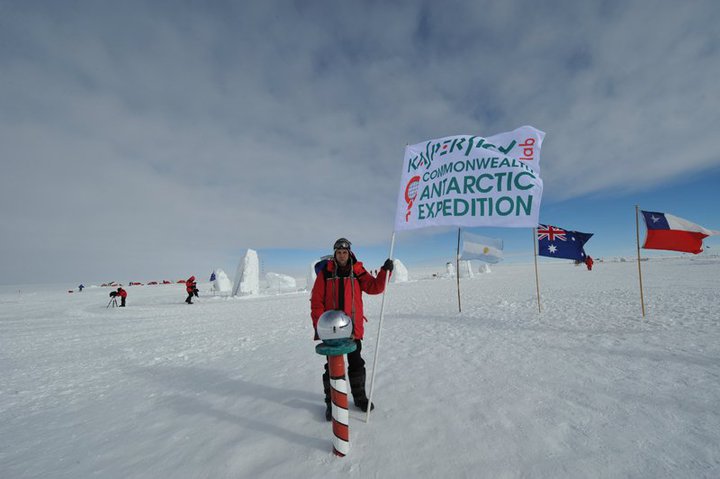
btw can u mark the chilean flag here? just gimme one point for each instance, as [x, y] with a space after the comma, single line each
[668, 232]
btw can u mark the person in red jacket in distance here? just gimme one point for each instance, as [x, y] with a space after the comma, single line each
[589, 263]
[123, 294]
[339, 285]
[191, 288]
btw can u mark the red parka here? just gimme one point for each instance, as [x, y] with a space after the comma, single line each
[122, 293]
[190, 284]
[326, 289]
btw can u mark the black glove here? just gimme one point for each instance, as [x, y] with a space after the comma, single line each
[388, 266]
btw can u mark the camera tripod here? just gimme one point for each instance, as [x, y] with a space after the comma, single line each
[113, 301]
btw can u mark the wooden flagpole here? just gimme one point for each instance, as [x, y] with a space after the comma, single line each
[457, 271]
[537, 277]
[377, 343]
[637, 235]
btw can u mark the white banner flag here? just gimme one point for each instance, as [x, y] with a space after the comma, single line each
[469, 180]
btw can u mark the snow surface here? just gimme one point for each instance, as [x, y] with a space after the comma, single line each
[231, 387]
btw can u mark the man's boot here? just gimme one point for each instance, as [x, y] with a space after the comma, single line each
[328, 405]
[357, 386]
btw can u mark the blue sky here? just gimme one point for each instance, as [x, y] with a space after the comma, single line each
[609, 216]
[141, 140]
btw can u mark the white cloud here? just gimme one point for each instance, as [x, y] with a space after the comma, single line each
[158, 133]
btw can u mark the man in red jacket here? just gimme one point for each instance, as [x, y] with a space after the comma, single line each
[191, 288]
[339, 285]
[123, 294]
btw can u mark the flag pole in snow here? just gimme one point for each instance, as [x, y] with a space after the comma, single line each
[457, 270]
[377, 343]
[637, 235]
[537, 277]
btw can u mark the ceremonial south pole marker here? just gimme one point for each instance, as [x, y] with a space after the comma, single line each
[335, 329]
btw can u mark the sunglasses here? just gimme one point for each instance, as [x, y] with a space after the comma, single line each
[342, 245]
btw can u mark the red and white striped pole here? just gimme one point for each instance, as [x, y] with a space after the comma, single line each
[335, 329]
[339, 398]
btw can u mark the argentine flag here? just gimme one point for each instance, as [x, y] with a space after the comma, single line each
[479, 247]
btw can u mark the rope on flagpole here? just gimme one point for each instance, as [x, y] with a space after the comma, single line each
[537, 277]
[377, 343]
[457, 271]
[637, 236]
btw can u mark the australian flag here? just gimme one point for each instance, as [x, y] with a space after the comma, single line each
[556, 242]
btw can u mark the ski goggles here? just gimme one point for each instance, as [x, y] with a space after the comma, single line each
[342, 243]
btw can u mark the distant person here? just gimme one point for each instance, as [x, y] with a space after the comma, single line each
[123, 294]
[589, 263]
[339, 285]
[81, 287]
[191, 288]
